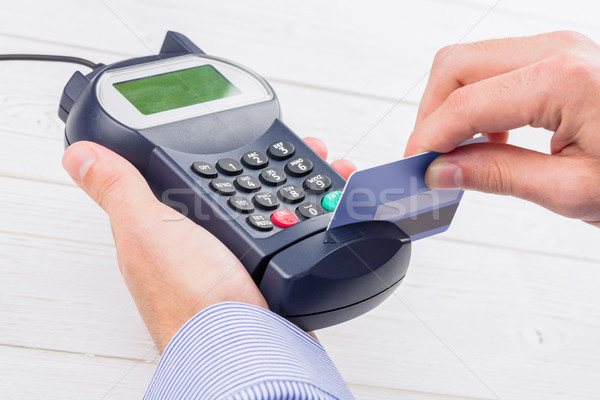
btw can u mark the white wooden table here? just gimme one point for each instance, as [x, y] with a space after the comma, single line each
[505, 305]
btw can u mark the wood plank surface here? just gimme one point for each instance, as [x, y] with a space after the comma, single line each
[364, 47]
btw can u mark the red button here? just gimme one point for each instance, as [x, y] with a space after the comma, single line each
[284, 218]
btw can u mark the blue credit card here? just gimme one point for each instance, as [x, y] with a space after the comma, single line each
[397, 192]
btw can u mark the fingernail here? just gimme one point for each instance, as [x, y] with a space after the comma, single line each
[78, 161]
[443, 175]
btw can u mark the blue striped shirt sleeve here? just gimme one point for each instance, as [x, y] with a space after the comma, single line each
[240, 351]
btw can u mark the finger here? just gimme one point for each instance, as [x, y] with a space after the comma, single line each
[566, 185]
[109, 179]
[527, 96]
[497, 137]
[344, 167]
[463, 64]
[317, 145]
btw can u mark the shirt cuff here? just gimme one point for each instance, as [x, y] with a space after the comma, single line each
[240, 351]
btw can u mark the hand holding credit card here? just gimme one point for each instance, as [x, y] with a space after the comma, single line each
[397, 192]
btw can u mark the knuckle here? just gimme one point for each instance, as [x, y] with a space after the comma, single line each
[556, 64]
[497, 178]
[579, 68]
[585, 202]
[481, 46]
[573, 70]
[569, 37]
[442, 55]
[445, 60]
[109, 188]
[458, 101]
[446, 65]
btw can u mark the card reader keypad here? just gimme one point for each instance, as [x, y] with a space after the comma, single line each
[291, 194]
[299, 166]
[204, 169]
[276, 189]
[229, 166]
[273, 176]
[247, 183]
[255, 159]
[222, 186]
[260, 222]
[281, 150]
[318, 183]
[266, 200]
[241, 204]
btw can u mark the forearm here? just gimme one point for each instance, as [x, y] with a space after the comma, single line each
[235, 350]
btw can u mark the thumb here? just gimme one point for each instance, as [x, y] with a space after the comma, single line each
[109, 179]
[552, 181]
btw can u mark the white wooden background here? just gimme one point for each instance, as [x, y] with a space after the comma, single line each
[505, 305]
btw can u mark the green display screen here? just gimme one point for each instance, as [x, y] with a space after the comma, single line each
[177, 89]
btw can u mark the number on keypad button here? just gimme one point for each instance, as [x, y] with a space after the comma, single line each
[273, 176]
[291, 193]
[299, 166]
[229, 166]
[309, 210]
[317, 183]
[281, 150]
[255, 159]
[267, 201]
[247, 183]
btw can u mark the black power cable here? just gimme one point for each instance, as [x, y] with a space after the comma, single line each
[46, 57]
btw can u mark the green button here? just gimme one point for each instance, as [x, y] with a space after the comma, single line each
[330, 201]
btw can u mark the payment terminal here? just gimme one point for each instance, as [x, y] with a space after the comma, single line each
[207, 135]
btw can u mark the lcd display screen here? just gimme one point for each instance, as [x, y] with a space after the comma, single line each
[158, 93]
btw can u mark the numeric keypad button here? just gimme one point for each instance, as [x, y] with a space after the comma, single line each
[247, 183]
[260, 222]
[317, 183]
[284, 218]
[204, 169]
[229, 166]
[291, 193]
[267, 201]
[273, 176]
[281, 150]
[241, 204]
[309, 210]
[299, 166]
[222, 186]
[330, 200]
[255, 159]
